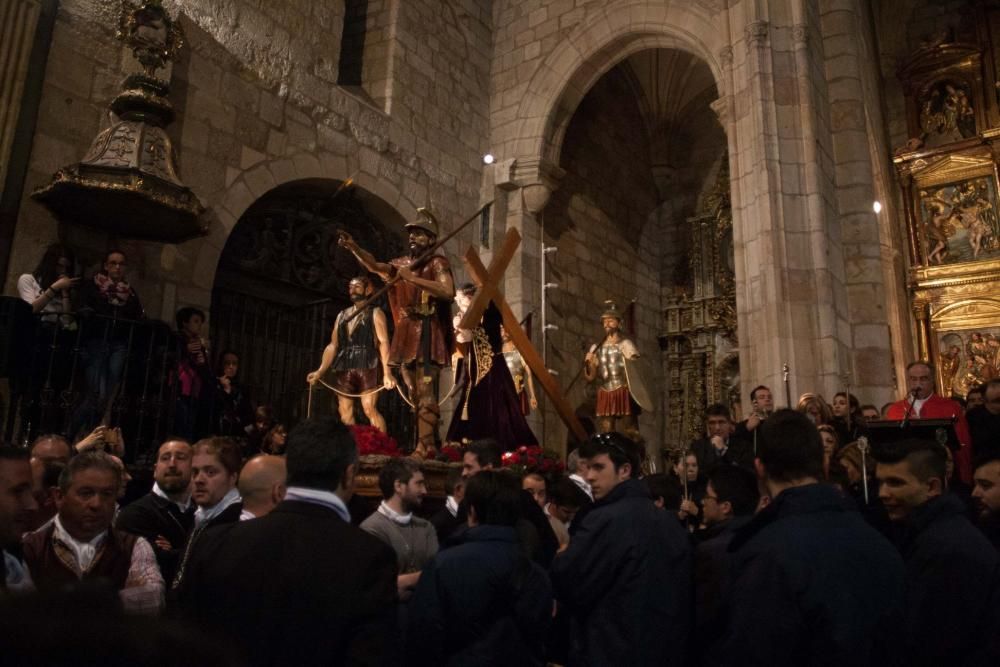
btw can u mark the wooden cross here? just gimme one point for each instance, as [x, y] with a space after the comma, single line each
[488, 281]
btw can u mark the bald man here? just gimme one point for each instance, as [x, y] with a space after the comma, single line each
[262, 485]
[51, 447]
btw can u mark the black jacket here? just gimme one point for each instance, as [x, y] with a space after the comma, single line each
[299, 586]
[480, 603]
[952, 585]
[625, 580]
[739, 453]
[984, 429]
[228, 516]
[444, 524]
[812, 584]
[534, 532]
[152, 516]
[712, 565]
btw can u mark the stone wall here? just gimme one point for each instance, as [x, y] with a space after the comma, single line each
[806, 275]
[258, 105]
[443, 81]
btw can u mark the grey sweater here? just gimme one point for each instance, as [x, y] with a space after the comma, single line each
[414, 543]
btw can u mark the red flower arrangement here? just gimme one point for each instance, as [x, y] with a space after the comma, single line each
[373, 442]
[532, 458]
[450, 453]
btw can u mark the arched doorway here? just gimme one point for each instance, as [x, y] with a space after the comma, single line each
[282, 279]
[642, 217]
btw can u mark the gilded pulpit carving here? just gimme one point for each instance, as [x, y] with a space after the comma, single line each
[700, 321]
[948, 177]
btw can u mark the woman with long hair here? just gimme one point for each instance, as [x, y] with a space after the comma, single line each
[815, 408]
[847, 418]
[831, 443]
[47, 288]
[233, 411]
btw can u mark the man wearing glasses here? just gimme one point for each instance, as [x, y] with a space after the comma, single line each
[729, 503]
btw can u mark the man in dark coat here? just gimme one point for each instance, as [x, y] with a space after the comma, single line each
[952, 571]
[812, 583]
[720, 444]
[301, 585]
[445, 520]
[731, 498]
[215, 469]
[986, 496]
[984, 421]
[534, 532]
[482, 602]
[165, 516]
[625, 578]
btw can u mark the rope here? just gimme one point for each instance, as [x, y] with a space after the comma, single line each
[346, 395]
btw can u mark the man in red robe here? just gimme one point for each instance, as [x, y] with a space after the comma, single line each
[921, 402]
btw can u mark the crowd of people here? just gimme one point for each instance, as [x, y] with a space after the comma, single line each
[208, 396]
[804, 535]
[760, 545]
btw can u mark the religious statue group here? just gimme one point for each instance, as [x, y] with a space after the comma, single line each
[494, 384]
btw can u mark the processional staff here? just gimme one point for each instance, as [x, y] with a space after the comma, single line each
[788, 389]
[863, 448]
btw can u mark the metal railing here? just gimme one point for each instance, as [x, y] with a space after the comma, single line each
[69, 372]
[54, 386]
[278, 346]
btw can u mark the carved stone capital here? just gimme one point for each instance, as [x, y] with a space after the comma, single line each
[721, 109]
[756, 34]
[537, 177]
[800, 34]
[535, 197]
[726, 57]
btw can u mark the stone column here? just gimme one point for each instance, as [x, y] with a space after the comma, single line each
[529, 183]
[18, 21]
[784, 304]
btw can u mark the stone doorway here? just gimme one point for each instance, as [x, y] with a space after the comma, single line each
[641, 216]
[282, 279]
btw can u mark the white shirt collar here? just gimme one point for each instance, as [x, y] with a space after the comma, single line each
[452, 505]
[918, 404]
[582, 483]
[394, 516]
[203, 514]
[326, 499]
[247, 515]
[83, 551]
[184, 507]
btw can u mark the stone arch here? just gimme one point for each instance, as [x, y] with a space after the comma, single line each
[257, 180]
[572, 68]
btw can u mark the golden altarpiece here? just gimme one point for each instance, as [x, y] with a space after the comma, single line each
[699, 337]
[951, 214]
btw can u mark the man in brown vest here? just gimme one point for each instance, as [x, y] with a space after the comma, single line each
[80, 544]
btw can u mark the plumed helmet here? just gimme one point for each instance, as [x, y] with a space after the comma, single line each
[425, 220]
[611, 310]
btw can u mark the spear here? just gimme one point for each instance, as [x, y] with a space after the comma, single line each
[427, 254]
